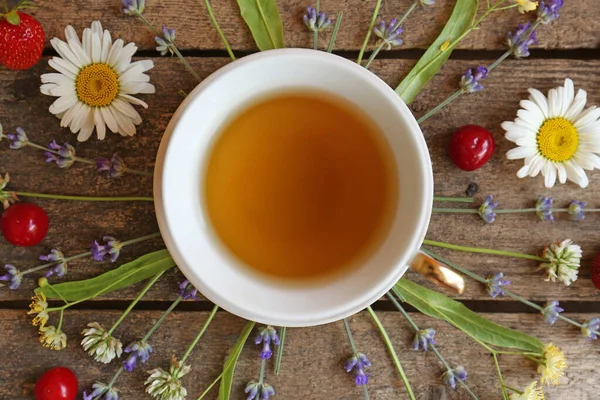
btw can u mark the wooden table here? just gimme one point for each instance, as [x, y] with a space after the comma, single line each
[313, 359]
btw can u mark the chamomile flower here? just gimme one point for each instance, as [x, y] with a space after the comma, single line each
[531, 392]
[52, 338]
[95, 83]
[555, 136]
[553, 365]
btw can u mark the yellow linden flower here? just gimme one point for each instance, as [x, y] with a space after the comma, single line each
[526, 5]
[531, 392]
[38, 306]
[52, 338]
[554, 365]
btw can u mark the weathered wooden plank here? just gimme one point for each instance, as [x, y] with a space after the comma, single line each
[75, 225]
[577, 28]
[312, 362]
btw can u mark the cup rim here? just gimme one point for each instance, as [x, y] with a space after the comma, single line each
[386, 281]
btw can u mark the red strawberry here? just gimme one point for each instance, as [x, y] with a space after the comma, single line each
[595, 270]
[21, 40]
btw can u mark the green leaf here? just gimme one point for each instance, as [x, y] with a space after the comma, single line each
[437, 54]
[262, 17]
[118, 278]
[229, 368]
[439, 306]
[13, 18]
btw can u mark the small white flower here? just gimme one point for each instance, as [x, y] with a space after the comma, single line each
[52, 338]
[100, 344]
[555, 136]
[564, 259]
[95, 83]
[163, 385]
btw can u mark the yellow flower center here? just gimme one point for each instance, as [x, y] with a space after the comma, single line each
[97, 85]
[557, 139]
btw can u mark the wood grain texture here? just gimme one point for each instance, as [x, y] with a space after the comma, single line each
[312, 362]
[194, 29]
[75, 224]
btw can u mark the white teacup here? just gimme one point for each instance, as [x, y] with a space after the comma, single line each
[179, 200]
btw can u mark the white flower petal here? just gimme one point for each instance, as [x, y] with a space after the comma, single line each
[96, 48]
[568, 95]
[71, 34]
[67, 118]
[576, 174]
[64, 67]
[99, 122]
[523, 123]
[585, 160]
[97, 28]
[81, 118]
[135, 88]
[586, 117]
[78, 50]
[47, 88]
[577, 105]
[108, 117]
[553, 103]
[538, 98]
[562, 173]
[146, 65]
[126, 109]
[59, 79]
[549, 173]
[62, 104]
[523, 171]
[591, 128]
[133, 100]
[534, 109]
[529, 141]
[106, 46]
[521, 152]
[124, 58]
[52, 89]
[534, 120]
[86, 41]
[114, 53]
[85, 132]
[65, 52]
[126, 126]
[536, 165]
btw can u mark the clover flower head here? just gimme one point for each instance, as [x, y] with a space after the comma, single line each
[590, 328]
[450, 376]
[519, 42]
[139, 349]
[133, 7]
[553, 366]
[315, 22]
[111, 247]
[486, 209]
[102, 391]
[469, 82]
[423, 339]
[551, 311]
[531, 392]
[256, 390]
[63, 156]
[563, 261]
[543, 208]
[576, 210]
[548, 10]
[100, 344]
[266, 335]
[6, 198]
[187, 290]
[389, 34]
[38, 306]
[166, 385]
[115, 167]
[52, 338]
[13, 275]
[494, 284]
[18, 139]
[358, 362]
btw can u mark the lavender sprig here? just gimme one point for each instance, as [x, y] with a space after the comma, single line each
[357, 363]
[315, 21]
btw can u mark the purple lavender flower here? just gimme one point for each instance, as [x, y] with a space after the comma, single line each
[551, 311]
[165, 43]
[590, 327]
[65, 157]
[451, 375]
[389, 33]
[256, 390]
[548, 10]
[314, 22]
[133, 7]
[13, 276]
[469, 82]
[424, 338]
[358, 362]
[111, 247]
[494, 284]
[187, 290]
[486, 209]
[139, 349]
[102, 391]
[115, 166]
[520, 41]
[55, 256]
[19, 139]
[266, 335]
[576, 210]
[543, 208]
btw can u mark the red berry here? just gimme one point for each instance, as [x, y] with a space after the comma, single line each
[471, 147]
[595, 271]
[59, 383]
[21, 40]
[24, 224]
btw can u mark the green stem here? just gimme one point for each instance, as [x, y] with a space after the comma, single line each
[350, 338]
[368, 36]
[82, 198]
[199, 335]
[455, 210]
[211, 386]
[482, 250]
[161, 319]
[392, 352]
[513, 389]
[135, 301]
[114, 379]
[454, 199]
[499, 60]
[407, 13]
[365, 392]
[316, 32]
[218, 28]
[280, 350]
[374, 54]
[336, 28]
[185, 63]
[500, 377]
[148, 24]
[261, 376]
[443, 104]
[60, 320]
